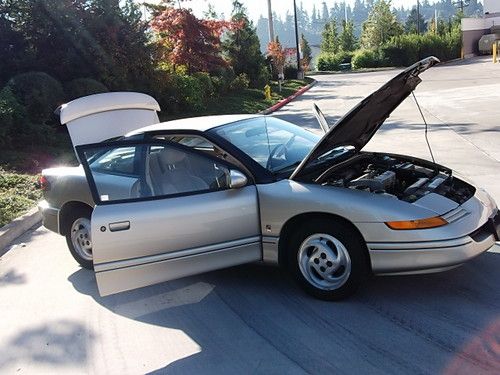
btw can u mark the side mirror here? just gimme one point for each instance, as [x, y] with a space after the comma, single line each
[237, 179]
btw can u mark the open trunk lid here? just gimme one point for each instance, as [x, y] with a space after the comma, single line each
[99, 117]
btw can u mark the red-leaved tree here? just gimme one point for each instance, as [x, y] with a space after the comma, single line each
[277, 54]
[190, 41]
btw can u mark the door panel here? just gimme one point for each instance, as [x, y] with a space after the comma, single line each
[172, 223]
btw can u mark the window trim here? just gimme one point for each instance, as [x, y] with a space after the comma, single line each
[147, 142]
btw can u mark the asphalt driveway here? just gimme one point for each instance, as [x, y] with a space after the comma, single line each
[253, 319]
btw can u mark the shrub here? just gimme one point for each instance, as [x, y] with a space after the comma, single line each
[407, 49]
[187, 92]
[263, 77]
[290, 72]
[17, 195]
[12, 114]
[39, 93]
[331, 61]
[240, 83]
[367, 58]
[206, 84]
[82, 87]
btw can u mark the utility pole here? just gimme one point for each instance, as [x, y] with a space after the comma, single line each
[299, 68]
[418, 17]
[270, 21]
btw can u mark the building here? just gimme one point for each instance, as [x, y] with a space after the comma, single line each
[474, 28]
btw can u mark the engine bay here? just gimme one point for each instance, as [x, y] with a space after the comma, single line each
[404, 178]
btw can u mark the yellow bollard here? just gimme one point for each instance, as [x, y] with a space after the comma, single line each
[495, 51]
[267, 92]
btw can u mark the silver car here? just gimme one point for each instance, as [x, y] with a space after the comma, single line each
[162, 201]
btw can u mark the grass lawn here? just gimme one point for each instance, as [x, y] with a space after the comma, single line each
[19, 168]
[247, 101]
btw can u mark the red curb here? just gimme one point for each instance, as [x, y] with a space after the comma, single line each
[285, 101]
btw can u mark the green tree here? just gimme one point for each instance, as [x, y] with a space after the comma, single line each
[101, 39]
[330, 37]
[381, 25]
[347, 39]
[411, 23]
[305, 48]
[242, 47]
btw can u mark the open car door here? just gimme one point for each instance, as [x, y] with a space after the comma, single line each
[156, 220]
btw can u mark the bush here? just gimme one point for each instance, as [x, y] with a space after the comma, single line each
[187, 92]
[82, 87]
[367, 58]
[290, 72]
[222, 79]
[39, 93]
[206, 84]
[328, 61]
[407, 49]
[263, 78]
[12, 114]
[17, 195]
[240, 83]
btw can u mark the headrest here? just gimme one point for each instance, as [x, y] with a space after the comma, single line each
[171, 156]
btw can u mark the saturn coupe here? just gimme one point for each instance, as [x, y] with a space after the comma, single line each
[152, 202]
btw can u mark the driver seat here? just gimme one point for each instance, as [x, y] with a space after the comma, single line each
[169, 173]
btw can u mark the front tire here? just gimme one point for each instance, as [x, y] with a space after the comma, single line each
[328, 259]
[78, 237]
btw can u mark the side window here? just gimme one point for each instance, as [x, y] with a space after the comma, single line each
[119, 161]
[162, 170]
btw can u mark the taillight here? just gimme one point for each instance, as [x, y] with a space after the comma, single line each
[43, 183]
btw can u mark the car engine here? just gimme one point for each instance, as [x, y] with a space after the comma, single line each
[399, 177]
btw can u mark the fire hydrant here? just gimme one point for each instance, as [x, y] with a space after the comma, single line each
[267, 92]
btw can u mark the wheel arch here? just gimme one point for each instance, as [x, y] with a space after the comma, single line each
[65, 214]
[294, 222]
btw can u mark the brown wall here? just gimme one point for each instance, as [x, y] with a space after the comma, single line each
[470, 39]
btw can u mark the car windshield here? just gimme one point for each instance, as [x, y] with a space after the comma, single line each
[273, 143]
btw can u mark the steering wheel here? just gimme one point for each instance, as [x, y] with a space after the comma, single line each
[279, 151]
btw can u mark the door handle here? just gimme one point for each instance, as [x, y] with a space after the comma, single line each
[118, 226]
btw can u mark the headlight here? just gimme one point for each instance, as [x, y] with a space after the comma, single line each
[431, 222]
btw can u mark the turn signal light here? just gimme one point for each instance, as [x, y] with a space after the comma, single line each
[431, 222]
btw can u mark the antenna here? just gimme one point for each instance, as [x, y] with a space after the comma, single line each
[426, 126]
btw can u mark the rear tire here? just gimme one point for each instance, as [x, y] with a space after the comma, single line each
[328, 259]
[78, 237]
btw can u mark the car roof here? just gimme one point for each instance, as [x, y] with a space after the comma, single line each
[201, 123]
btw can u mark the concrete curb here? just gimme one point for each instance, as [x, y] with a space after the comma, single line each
[17, 227]
[285, 101]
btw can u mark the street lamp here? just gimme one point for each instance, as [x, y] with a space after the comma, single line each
[299, 68]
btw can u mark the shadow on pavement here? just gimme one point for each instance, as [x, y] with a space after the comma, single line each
[61, 342]
[252, 319]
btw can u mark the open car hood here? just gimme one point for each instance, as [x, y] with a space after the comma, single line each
[359, 125]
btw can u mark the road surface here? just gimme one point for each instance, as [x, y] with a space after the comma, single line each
[252, 319]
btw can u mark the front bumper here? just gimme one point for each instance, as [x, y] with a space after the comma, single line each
[50, 216]
[432, 256]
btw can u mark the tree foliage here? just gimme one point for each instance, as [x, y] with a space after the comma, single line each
[277, 54]
[242, 47]
[187, 40]
[347, 38]
[412, 22]
[330, 41]
[381, 25]
[305, 48]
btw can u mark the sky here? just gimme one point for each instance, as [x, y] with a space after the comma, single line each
[259, 7]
